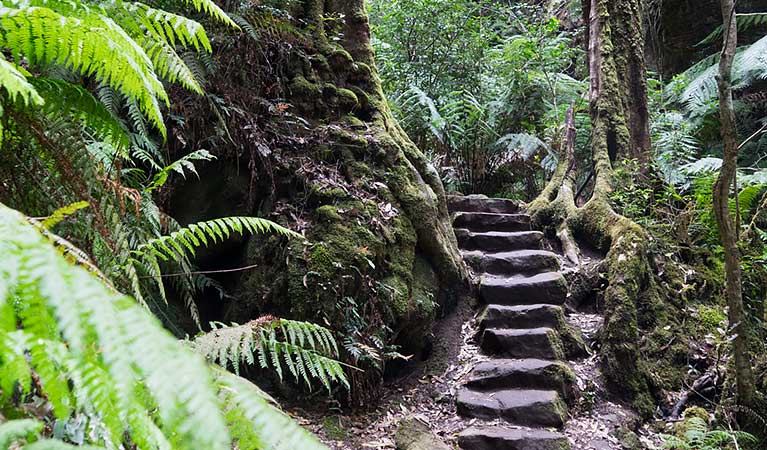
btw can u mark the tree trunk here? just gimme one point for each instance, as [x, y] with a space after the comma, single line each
[744, 378]
[317, 148]
[618, 76]
[618, 108]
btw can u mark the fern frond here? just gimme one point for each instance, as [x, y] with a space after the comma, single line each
[95, 46]
[180, 166]
[254, 421]
[178, 243]
[62, 213]
[109, 333]
[15, 430]
[16, 84]
[521, 145]
[307, 350]
[63, 99]
[745, 22]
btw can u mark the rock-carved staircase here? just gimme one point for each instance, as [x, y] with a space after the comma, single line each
[520, 395]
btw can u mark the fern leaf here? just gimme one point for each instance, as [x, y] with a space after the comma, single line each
[62, 213]
[256, 423]
[16, 85]
[15, 430]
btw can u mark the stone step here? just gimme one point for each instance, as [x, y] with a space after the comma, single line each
[523, 373]
[522, 316]
[496, 438]
[481, 203]
[548, 287]
[476, 221]
[518, 406]
[523, 343]
[498, 241]
[515, 262]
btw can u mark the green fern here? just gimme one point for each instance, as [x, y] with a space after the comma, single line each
[180, 166]
[307, 350]
[95, 352]
[62, 213]
[699, 93]
[14, 81]
[178, 246]
[698, 436]
[128, 46]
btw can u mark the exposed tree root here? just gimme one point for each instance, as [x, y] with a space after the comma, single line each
[627, 263]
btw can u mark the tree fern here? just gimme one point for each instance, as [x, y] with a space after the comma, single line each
[699, 93]
[97, 353]
[308, 351]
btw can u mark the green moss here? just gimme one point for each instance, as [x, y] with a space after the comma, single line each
[300, 86]
[328, 212]
[710, 317]
[353, 122]
[320, 63]
[340, 59]
[322, 262]
[333, 428]
[347, 98]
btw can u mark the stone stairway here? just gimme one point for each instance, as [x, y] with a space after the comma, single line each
[520, 395]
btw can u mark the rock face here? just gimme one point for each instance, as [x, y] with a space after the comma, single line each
[523, 327]
[413, 434]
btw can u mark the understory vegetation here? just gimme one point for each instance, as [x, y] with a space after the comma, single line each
[500, 129]
[202, 201]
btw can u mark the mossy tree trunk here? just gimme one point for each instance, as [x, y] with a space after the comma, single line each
[309, 120]
[739, 324]
[618, 108]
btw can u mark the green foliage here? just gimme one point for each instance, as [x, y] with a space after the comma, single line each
[178, 246]
[698, 436]
[481, 89]
[62, 213]
[307, 350]
[128, 46]
[95, 352]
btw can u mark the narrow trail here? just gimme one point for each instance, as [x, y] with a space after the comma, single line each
[524, 389]
[511, 375]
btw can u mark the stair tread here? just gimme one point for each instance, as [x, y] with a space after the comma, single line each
[523, 373]
[540, 342]
[481, 203]
[484, 221]
[523, 406]
[501, 280]
[495, 437]
[547, 287]
[497, 241]
[521, 316]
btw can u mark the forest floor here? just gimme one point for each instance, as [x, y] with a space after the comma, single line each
[428, 392]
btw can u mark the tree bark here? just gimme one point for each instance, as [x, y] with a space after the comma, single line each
[744, 378]
[618, 76]
[381, 261]
[619, 119]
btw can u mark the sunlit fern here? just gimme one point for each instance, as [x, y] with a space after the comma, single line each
[89, 350]
[128, 46]
[177, 246]
[308, 351]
